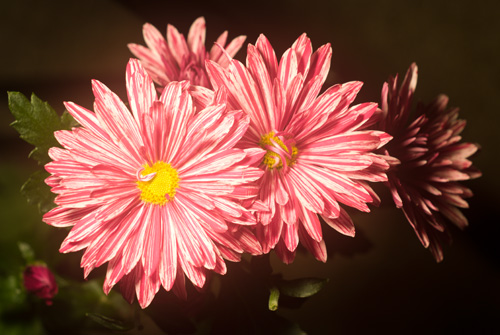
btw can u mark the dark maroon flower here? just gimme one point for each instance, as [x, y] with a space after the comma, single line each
[40, 281]
[432, 161]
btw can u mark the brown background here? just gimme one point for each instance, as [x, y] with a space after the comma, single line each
[382, 281]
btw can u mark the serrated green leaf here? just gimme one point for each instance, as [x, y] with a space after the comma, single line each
[37, 192]
[302, 287]
[68, 121]
[38, 154]
[108, 322]
[27, 252]
[35, 122]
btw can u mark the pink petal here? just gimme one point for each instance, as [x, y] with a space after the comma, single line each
[153, 242]
[116, 119]
[216, 50]
[196, 38]
[176, 44]
[146, 287]
[214, 163]
[197, 275]
[303, 48]
[269, 234]
[311, 224]
[290, 236]
[259, 72]
[343, 224]
[86, 118]
[140, 89]
[320, 63]
[284, 254]
[168, 257]
[317, 249]
[192, 239]
[267, 53]
[307, 194]
[287, 69]
[65, 217]
[233, 47]
[135, 247]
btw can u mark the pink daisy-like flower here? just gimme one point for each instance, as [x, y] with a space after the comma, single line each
[432, 161]
[156, 193]
[176, 59]
[316, 157]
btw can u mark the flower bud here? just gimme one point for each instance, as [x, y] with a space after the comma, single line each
[40, 281]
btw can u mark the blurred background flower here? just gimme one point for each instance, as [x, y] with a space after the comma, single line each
[54, 48]
[432, 160]
[38, 280]
[176, 58]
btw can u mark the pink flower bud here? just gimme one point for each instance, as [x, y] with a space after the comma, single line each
[40, 281]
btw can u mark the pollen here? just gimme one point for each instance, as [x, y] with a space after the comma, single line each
[281, 150]
[158, 183]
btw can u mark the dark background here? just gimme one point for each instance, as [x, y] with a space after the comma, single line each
[383, 280]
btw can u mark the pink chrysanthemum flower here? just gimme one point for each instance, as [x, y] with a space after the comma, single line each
[425, 183]
[158, 192]
[316, 157]
[176, 59]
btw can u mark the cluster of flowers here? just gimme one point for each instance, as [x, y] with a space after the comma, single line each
[221, 158]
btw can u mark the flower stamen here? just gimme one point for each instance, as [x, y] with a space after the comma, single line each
[281, 150]
[158, 183]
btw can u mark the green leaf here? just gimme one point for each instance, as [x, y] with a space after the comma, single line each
[37, 192]
[301, 288]
[108, 322]
[12, 294]
[35, 122]
[67, 121]
[27, 252]
[273, 298]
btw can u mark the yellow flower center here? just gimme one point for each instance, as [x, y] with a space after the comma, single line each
[157, 183]
[281, 150]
